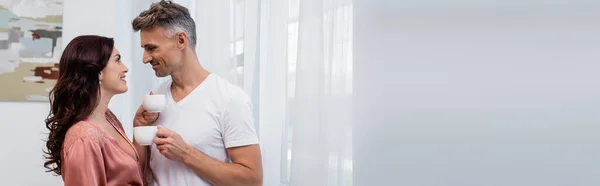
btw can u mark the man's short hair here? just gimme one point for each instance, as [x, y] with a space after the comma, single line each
[170, 16]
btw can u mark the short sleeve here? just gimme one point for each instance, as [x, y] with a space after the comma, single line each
[83, 164]
[238, 122]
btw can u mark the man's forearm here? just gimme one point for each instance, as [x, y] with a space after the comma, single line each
[219, 173]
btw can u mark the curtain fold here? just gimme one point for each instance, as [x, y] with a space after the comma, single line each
[309, 153]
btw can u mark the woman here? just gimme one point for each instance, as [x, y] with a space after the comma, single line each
[87, 144]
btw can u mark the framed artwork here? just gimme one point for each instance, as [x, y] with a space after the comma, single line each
[30, 48]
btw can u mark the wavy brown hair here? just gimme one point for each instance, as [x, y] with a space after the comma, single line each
[76, 93]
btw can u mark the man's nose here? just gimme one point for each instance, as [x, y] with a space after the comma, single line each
[147, 58]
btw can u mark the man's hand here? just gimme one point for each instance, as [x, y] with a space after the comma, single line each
[171, 145]
[143, 117]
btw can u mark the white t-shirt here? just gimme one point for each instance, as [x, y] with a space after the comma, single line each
[214, 116]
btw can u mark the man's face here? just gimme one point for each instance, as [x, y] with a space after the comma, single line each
[160, 51]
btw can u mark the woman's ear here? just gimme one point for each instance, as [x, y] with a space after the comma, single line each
[100, 76]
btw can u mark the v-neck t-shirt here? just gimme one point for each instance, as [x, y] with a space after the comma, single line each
[215, 116]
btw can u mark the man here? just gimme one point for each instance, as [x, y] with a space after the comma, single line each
[206, 134]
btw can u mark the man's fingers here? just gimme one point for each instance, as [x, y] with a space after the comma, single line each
[150, 116]
[163, 132]
[146, 113]
[163, 152]
[160, 142]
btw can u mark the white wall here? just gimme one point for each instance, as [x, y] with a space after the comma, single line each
[22, 123]
[470, 93]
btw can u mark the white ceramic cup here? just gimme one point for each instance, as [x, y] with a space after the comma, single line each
[154, 103]
[144, 135]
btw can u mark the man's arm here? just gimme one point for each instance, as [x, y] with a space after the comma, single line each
[245, 168]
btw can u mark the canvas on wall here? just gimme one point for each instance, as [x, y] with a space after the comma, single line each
[30, 48]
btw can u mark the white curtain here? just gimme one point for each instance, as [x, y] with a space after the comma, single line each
[319, 109]
[293, 58]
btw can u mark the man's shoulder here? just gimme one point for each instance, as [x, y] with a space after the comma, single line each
[228, 90]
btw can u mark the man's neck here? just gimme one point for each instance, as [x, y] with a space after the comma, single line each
[189, 76]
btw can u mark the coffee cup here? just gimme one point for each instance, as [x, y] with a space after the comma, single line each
[144, 135]
[154, 103]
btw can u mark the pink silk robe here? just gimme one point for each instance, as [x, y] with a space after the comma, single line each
[90, 157]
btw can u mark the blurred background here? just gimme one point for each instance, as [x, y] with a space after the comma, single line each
[375, 92]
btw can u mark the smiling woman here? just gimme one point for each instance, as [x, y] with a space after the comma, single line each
[87, 144]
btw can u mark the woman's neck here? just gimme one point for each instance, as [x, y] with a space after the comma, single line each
[99, 113]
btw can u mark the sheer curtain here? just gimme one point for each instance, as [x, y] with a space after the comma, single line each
[319, 93]
[293, 58]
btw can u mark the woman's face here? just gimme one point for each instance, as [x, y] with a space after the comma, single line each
[112, 78]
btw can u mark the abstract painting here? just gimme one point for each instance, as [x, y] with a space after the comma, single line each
[30, 48]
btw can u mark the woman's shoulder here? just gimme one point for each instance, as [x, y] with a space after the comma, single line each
[85, 131]
[113, 119]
